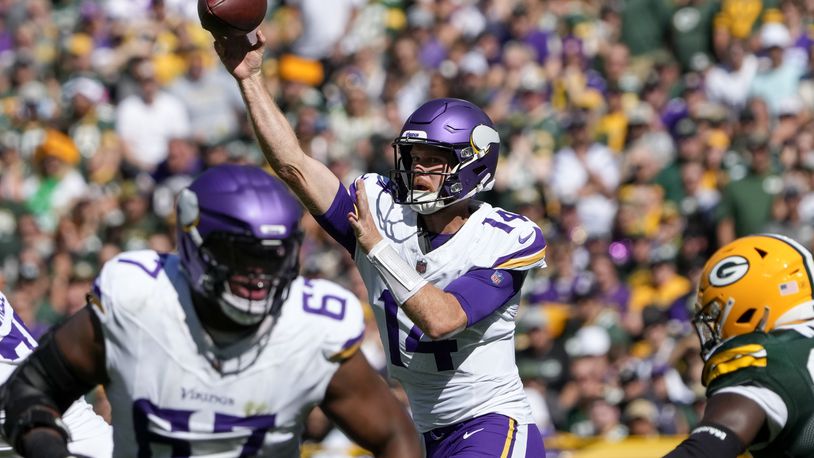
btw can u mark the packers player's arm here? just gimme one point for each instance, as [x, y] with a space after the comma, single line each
[360, 402]
[312, 181]
[731, 423]
[68, 363]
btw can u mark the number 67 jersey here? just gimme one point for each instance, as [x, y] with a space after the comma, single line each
[175, 394]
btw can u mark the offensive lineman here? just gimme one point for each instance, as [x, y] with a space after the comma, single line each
[443, 271]
[755, 320]
[221, 350]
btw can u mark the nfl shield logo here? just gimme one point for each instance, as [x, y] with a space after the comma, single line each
[421, 266]
[497, 277]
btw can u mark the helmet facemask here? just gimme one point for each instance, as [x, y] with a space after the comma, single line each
[467, 172]
[249, 278]
[404, 176]
[707, 321]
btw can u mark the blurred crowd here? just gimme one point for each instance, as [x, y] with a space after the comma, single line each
[640, 134]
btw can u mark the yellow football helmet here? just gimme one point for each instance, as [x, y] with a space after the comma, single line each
[754, 283]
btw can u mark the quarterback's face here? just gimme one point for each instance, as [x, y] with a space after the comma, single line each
[432, 162]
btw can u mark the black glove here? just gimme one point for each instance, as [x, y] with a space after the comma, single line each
[45, 443]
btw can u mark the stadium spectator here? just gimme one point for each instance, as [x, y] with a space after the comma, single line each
[58, 184]
[146, 121]
[212, 104]
[778, 80]
[746, 203]
[729, 82]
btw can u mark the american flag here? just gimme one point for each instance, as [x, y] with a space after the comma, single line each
[789, 287]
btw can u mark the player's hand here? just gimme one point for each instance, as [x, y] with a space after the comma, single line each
[240, 57]
[367, 235]
[46, 443]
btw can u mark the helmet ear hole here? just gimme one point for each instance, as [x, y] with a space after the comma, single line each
[746, 316]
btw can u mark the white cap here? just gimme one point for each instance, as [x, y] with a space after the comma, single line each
[90, 89]
[642, 113]
[589, 341]
[789, 106]
[774, 34]
[475, 63]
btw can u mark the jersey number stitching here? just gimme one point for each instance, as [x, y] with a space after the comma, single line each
[441, 349]
[330, 305]
[178, 420]
[507, 217]
[159, 263]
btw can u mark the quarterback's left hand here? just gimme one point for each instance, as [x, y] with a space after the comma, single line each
[367, 235]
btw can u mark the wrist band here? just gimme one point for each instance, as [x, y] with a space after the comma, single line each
[402, 280]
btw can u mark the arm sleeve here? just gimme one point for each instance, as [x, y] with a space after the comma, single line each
[335, 221]
[709, 441]
[482, 291]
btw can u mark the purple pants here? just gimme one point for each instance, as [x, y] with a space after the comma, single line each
[492, 435]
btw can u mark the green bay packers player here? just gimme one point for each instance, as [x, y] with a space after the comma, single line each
[755, 319]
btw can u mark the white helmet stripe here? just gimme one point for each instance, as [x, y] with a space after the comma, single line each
[807, 256]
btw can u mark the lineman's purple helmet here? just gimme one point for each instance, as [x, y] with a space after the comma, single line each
[239, 240]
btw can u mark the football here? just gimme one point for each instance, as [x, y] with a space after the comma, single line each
[231, 17]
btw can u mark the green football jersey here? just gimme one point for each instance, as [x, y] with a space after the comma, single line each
[776, 370]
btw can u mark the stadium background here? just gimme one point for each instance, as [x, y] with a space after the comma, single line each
[639, 134]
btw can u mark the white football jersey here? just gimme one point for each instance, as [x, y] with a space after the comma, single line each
[90, 434]
[168, 398]
[473, 372]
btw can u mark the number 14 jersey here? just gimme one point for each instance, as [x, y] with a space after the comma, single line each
[473, 372]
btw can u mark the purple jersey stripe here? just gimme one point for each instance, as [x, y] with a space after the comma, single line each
[11, 342]
[537, 245]
[534, 442]
[18, 342]
[96, 289]
[335, 220]
[353, 341]
[482, 291]
[153, 272]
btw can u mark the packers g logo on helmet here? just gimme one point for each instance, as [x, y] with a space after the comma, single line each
[728, 270]
[754, 283]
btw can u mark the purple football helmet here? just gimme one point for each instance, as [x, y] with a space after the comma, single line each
[459, 127]
[239, 239]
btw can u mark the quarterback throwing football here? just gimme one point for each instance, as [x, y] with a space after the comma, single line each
[443, 271]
